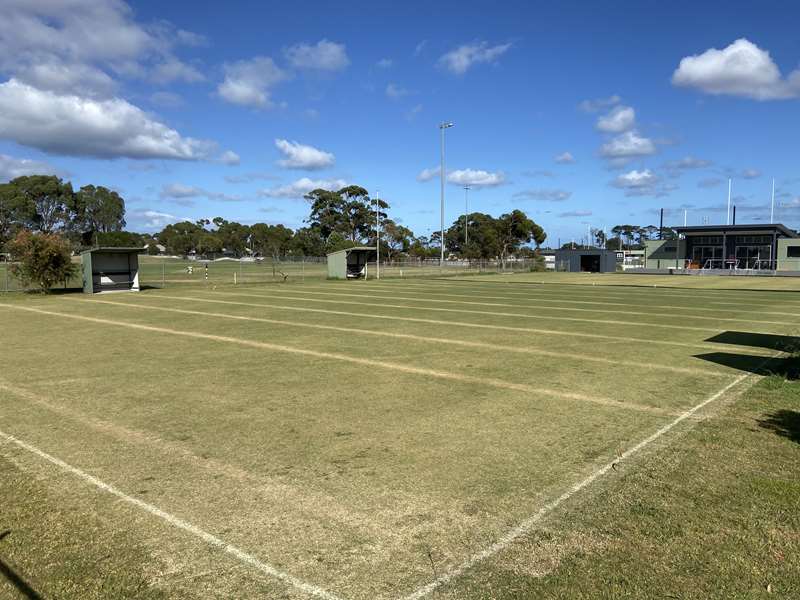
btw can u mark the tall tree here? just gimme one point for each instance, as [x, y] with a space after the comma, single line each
[96, 209]
[271, 240]
[38, 202]
[358, 221]
[326, 212]
[395, 238]
[181, 238]
[513, 230]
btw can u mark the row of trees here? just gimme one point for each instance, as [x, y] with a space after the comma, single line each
[47, 204]
[95, 215]
[348, 217]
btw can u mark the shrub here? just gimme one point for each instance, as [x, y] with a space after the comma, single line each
[43, 259]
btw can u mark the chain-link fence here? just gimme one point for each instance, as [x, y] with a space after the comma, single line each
[165, 271]
[432, 268]
[10, 283]
[168, 271]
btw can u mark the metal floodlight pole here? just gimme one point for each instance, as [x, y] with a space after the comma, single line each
[466, 214]
[772, 204]
[442, 126]
[728, 218]
[378, 234]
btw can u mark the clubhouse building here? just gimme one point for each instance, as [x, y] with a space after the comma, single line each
[770, 247]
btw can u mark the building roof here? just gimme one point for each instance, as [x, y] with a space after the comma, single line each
[585, 251]
[761, 228]
[357, 248]
[113, 250]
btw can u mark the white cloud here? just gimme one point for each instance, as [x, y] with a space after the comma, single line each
[741, 69]
[303, 186]
[598, 104]
[63, 78]
[642, 183]
[473, 177]
[420, 47]
[636, 179]
[476, 178]
[151, 219]
[619, 119]
[323, 56]
[751, 173]
[179, 191]
[67, 47]
[395, 91]
[384, 63]
[459, 60]
[230, 158]
[546, 195]
[628, 145]
[428, 174]
[173, 69]
[300, 156]
[249, 82]
[564, 158]
[68, 124]
[11, 168]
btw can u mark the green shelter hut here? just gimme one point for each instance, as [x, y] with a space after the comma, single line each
[350, 263]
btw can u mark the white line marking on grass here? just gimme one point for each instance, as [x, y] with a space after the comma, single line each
[594, 336]
[627, 288]
[568, 308]
[559, 299]
[483, 381]
[486, 313]
[528, 523]
[210, 539]
[420, 338]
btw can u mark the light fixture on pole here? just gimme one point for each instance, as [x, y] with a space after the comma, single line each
[466, 214]
[442, 126]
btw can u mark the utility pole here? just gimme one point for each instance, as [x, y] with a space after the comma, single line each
[442, 126]
[466, 214]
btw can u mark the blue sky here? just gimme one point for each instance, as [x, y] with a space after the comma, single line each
[593, 113]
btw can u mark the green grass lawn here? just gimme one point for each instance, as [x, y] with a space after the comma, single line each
[370, 439]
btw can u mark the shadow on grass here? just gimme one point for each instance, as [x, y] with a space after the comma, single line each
[772, 341]
[787, 368]
[23, 587]
[786, 423]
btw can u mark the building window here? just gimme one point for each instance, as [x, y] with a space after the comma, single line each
[793, 251]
